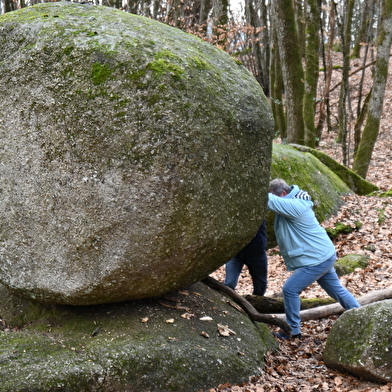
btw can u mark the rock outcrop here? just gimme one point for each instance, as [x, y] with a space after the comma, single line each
[360, 342]
[193, 340]
[134, 157]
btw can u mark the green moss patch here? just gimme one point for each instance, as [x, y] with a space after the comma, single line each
[347, 264]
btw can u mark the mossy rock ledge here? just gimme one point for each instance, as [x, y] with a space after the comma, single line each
[360, 342]
[354, 181]
[134, 157]
[149, 345]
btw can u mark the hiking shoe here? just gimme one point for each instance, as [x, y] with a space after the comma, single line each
[282, 335]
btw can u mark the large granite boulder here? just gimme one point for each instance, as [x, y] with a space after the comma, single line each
[149, 345]
[360, 342]
[134, 157]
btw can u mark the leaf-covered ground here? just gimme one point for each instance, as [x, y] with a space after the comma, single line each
[298, 365]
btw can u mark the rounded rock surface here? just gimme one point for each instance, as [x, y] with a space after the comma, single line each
[134, 157]
[360, 342]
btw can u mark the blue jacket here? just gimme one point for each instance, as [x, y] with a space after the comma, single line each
[301, 239]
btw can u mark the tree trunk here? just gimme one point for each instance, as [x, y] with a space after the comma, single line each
[311, 71]
[324, 111]
[205, 8]
[371, 129]
[344, 87]
[360, 120]
[292, 71]
[300, 18]
[363, 36]
[276, 83]
[266, 47]
[8, 6]
[221, 19]
[252, 16]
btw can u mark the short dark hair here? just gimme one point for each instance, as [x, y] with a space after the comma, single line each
[278, 186]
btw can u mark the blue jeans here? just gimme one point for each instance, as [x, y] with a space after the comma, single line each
[303, 277]
[258, 270]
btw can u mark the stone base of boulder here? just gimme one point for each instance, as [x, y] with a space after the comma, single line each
[176, 342]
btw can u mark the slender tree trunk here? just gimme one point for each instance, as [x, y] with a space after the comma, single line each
[363, 34]
[252, 17]
[325, 111]
[311, 71]
[155, 9]
[372, 126]
[8, 7]
[132, 6]
[221, 20]
[344, 88]
[177, 13]
[300, 18]
[220, 12]
[276, 83]
[360, 120]
[266, 47]
[292, 71]
[205, 8]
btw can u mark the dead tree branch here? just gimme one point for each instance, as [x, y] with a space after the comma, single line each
[330, 310]
[249, 309]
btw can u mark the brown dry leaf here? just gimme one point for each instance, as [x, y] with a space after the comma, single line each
[224, 330]
[338, 381]
[187, 316]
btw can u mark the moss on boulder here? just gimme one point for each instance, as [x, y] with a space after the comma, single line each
[341, 228]
[360, 342]
[349, 263]
[354, 181]
[386, 194]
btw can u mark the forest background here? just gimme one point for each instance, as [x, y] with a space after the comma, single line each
[324, 66]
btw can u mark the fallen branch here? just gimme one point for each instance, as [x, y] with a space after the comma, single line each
[249, 309]
[330, 310]
[268, 305]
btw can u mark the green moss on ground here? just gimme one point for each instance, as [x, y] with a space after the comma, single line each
[341, 228]
[349, 263]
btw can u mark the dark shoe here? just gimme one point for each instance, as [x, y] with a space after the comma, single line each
[282, 335]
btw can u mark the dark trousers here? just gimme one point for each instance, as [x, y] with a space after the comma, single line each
[258, 269]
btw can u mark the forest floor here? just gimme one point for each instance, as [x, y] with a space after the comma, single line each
[298, 364]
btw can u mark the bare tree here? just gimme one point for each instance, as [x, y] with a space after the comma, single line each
[370, 133]
[291, 61]
[312, 43]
